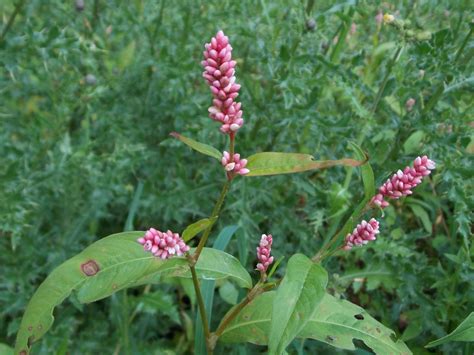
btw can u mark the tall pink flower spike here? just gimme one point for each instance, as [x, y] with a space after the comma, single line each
[263, 253]
[163, 244]
[219, 72]
[236, 166]
[362, 234]
[401, 183]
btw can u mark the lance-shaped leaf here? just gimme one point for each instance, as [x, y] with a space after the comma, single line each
[301, 290]
[464, 332]
[197, 227]
[109, 265]
[333, 321]
[198, 146]
[272, 163]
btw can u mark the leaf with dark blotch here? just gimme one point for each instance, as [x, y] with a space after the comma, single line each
[273, 163]
[198, 146]
[109, 265]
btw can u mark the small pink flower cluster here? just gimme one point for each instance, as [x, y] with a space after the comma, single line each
[235, 165]
[401, 183]
[163, 244]
[219, 72]
[362, 234]
[263, 253]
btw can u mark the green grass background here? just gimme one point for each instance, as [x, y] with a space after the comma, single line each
[88, 98]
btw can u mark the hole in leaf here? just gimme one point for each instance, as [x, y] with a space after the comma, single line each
[31, 340]
[30, 328]
[90, 268]
[359, 316]
[23, 352]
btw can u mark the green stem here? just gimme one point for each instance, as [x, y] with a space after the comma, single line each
[228, 318]
[202, 308]
[463, 45]
[11, 20]
[215, 213]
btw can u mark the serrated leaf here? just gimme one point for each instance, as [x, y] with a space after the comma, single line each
[464, 332]
[198, 146]
[109, 265]
[194, 229]
[273, 163]
[333, 321]
[297, 296]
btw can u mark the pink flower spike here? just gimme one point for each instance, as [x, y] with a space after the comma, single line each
[263, 253]
[219, 73]
[236, 166]
[402, 182]
[163, 244]
[362, 234]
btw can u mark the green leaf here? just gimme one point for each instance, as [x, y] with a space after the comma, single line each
[194, 229]
[423, 216]
[366, 171]
[109, 265]
[125, 57]
[272, 163]
[413, 143]
[229, 293]
[333, 321]
[5, 349]
[207, 290]
[337, 322]
[301, 290]
[464, 332]
[198, 146]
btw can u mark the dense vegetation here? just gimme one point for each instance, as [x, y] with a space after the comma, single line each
[88, 99]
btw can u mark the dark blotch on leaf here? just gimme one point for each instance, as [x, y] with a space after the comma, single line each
[330, 338]
[90, 268]
[378, 330]
[359, 316]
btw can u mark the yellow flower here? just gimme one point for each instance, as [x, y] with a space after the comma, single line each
[387, 18]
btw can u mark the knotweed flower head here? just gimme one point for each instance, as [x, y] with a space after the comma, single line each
[410, 103]
[220, 75]
[402, 182]
[362, 234]
[263, 253]
[234, 165]
[163, 244]
[379, 18]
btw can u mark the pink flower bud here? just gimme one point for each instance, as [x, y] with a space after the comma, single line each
[219, 73]
[362, 234]
[402, 182]
[409, 104]
[263, 253]
[234, 165]
[163, 245]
